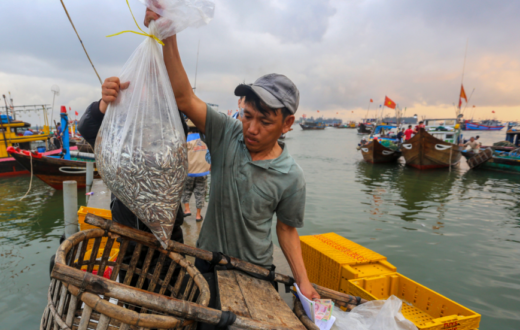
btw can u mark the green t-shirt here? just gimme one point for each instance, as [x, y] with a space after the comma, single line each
[245, 194]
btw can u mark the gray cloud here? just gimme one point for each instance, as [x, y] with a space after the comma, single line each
[340, 53]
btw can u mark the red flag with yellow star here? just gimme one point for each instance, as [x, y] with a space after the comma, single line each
[389, 103]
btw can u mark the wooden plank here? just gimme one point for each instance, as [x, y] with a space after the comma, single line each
[231, 298]
[265, 304]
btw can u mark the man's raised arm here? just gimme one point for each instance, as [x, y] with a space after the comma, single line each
[186, 99]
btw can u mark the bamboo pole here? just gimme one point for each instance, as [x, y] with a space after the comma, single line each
[302, 316]
[147, 238]
[81, 41]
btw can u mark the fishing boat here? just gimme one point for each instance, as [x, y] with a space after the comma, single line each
[382, 146]
[375, 152]
[486, 125]
[499, 161]
[312, 125]
[504, 159]
[52, 169]
[364, 128]
[434, 146]
[12, 135]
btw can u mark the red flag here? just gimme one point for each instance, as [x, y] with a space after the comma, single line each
[318, 110]
[371, 101]
[352, 111]
[76, 113]
[473, 106]
[389, 103]
[493, 111]
[463, 93]
[337, 112]
[460, 102]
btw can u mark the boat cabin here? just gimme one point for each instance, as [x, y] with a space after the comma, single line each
[444, 129]
[12, 134]
[512, 135]
[385, 132]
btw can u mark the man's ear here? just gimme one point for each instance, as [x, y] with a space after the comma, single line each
[289, 121]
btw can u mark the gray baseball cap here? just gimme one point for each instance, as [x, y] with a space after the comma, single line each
[276, 90]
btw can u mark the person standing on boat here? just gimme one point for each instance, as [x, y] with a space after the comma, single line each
[400, 135]
[421, 125]
[473, 144]
[408, 133]
[198, 171]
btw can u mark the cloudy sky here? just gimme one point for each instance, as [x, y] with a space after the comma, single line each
[340, 53]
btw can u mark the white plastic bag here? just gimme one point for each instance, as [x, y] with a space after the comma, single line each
[141, 146]
[176, 15]
[373, 315]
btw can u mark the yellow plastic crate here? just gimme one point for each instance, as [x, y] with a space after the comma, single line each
[82, 213]
[324, 256]
[380, 267]
[427, 309]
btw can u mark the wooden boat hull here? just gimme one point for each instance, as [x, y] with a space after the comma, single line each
[376, 153]
[311, 128]
[10, 167]
[50, 170]
[423, 151]
[496, 163]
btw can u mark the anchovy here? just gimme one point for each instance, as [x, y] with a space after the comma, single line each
[150, 183]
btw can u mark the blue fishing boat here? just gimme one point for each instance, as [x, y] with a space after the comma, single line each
[486, 125]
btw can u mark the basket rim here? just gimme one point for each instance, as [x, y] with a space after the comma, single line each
[92, 300]
[115, 311]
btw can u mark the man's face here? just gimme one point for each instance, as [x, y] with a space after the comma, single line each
[472, 139]
[262, 131]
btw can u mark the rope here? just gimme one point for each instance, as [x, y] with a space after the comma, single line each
[30, 183]
[142, 33]
[451, 150]
[82, 45]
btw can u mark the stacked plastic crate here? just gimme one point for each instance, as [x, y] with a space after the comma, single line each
[340, 264]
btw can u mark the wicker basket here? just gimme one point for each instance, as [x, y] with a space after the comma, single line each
[162, 274]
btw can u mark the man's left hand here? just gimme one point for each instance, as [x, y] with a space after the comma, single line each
[308, 290]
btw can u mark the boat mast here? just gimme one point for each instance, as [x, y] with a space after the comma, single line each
[368, 109]
[462, 77]
[458, 111]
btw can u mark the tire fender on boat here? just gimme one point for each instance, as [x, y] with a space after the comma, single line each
[442, 147]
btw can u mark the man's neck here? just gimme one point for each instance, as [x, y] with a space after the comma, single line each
[270, 153]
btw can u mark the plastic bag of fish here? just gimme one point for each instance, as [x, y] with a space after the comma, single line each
[141, 146]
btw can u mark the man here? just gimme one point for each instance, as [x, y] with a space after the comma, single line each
[253, 175]
[198, 171]
[408, 133]
[473, 144]
[421, 125]
[400, 135]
